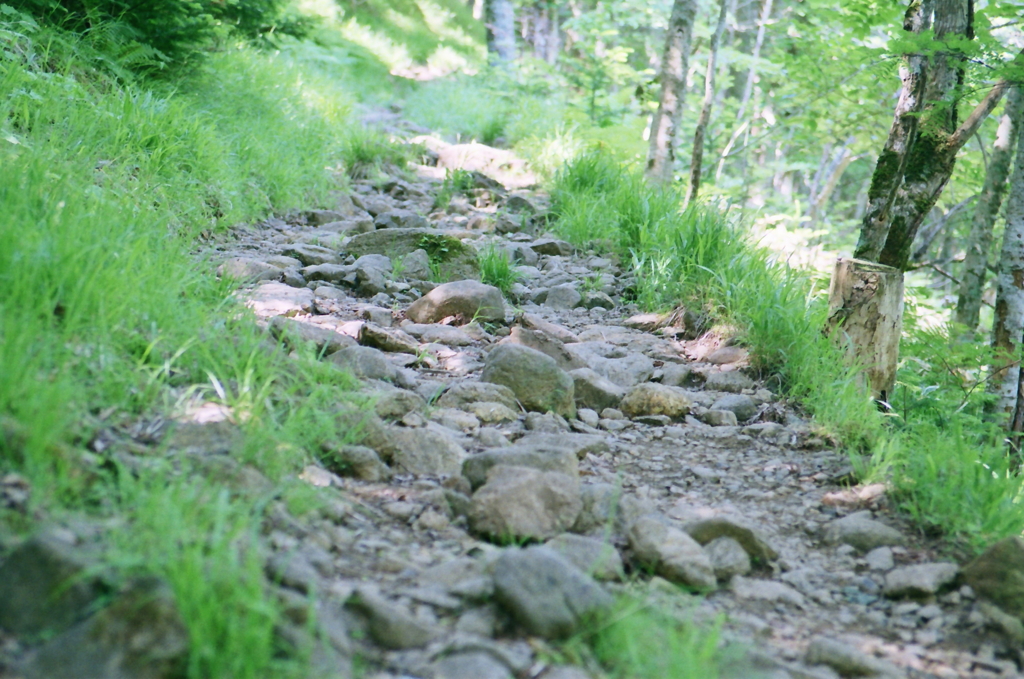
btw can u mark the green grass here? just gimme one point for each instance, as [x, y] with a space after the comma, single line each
[108, 315]
[496, 269]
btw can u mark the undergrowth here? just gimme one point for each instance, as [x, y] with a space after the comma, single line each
[948, 467]
[497, 269]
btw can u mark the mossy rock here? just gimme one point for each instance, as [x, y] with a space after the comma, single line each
[454, 259]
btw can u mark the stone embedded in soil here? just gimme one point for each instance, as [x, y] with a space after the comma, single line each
[544, 343]
[46, 586]
[428, 450]
[920, 580]
[461, 394]
[545, 593]
[848, 660]
[559, 332]
[766, 590]
[387, 339]
[655, 399]
[563, 297]
[433, 333]
[534, 378]
[248, 270]
[756, 544]
[467, 299]
[998, 574]
[141, 635]
[278, 299]
[523, 503]
[365, 362]
[311, 255]
[580, 444]
[862, 532]
[490, 412]
[595, 557]
[358, 461]
[732, 381]
[607, 506]
[541, 457]
[552, 247]
[740, 404]
[719, 418]
[727, 557]
[324, 339]
[594, 391]
[670, 553]
[400, 219]
[389, 624]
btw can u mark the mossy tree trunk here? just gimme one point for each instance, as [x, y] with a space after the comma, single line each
[661, 155]
[968, 306]
[1009, 317]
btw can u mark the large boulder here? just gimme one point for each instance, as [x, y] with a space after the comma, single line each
[998, 575]
[523, 503]
[545, 593]
[671, 553]
[534, 378]
[141, 635]
[468, 299]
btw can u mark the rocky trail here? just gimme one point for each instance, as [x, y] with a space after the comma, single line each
[527, 461]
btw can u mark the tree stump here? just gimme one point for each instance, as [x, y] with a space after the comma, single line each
[865, 317]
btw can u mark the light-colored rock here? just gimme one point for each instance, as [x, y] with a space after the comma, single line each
[490, 412]
[248, 270]
[416, 266]
[719, 418]
[727, 557]
[387, 339]
[294, 332]
[733, 381]
[766, 590]
[595, 391]
[428, 450]
[469, 300]
[670, 553]
[546, 594]
[461, 394]
[540, 457]
[655, 399]
[880, 559]
[859, 530]
[544, 343]
[365, 362]
[752, 539]
[534, 378]
[358, 461]
[848, 660]
[520, 502]
[919, 580]
[580, 444]
[471, 665]
[278, 299]
[597, 558]
[563, 297]
[739, 404]
[389, 624]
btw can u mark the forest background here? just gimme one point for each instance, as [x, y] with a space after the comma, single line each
[128, 133]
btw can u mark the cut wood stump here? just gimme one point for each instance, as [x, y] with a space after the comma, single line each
[865, 317]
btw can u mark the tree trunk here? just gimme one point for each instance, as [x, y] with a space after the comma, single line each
[501, 30]
[664, 129]
[748, 89]
[1009, 315]
[968, 306]
[697, 157]
[835, 172]
[865, 317]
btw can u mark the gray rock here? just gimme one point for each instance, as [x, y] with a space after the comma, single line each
[565, 672]
[540, 457]
[551, 246]
[330, 273]
[596, 558]
[521, 503]
[848, 660]
[719, 418]
[862, 532]
[679, 375]
[430, 450]
[311, 255]
[447, 335]
[920, 580]
[733, 381]
[388, 339]
[727, 557]
[880, 559]
[416, 265]
[592, 390]
[278, 299]
[740, 404]
[45, 586]
[766, 590]
[563, 297]
[294, 332]
[471, 665]
[461, 394]
[400, 219]
[534, 378]
[321, 217]
[756, 544]
[546, 594]
[490, 412]
[595, 299]
[248, 270]
[546, 423]
[544, 343]
[389, 624]
[655, 399]
[394, 403]
[606, 507]
[456, 259]
[141, 635]
[670, 553]
[365, 362]
[468, 299]
[998, 574]
[579, 444]
[358, 461]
